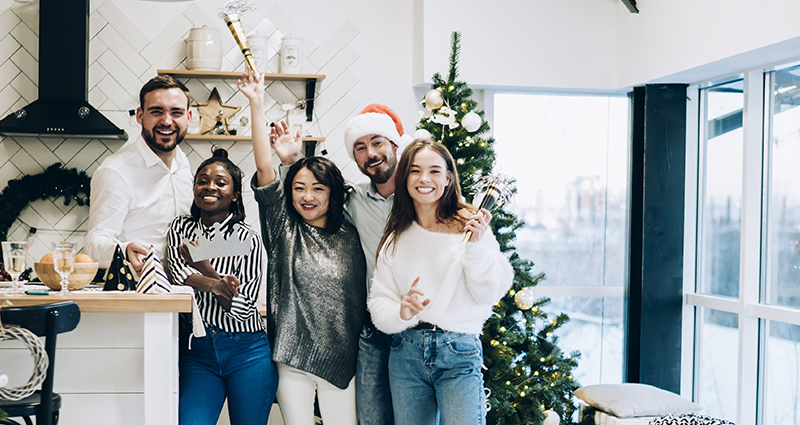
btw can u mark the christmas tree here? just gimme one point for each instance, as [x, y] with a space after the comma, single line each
[526, 372]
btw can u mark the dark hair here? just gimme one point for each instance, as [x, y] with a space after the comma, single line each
[220, 156]
[327, 173]
[162, 82]
[403, 212]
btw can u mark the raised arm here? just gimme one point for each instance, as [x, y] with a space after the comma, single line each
[252, 87]
[264, 138]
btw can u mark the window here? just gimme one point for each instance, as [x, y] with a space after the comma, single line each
[569, 155]
[744, 253]
[721, 189]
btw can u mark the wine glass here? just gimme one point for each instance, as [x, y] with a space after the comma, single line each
[15, 254]
[64, 262]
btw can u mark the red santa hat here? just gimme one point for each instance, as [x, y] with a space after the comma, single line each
[375, 119]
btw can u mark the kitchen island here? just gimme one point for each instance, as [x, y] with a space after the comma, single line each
[119, 366]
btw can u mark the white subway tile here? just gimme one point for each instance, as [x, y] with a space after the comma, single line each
[25, 87]
[39, 152]
[121, 74]
[333, 45]
[172, 33]
[27, 39]
[67, 150]
[124, 25]
[27, 64]
[122, 49]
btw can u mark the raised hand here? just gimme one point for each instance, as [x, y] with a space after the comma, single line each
[252, 86]
[286, 146]
[411, 305]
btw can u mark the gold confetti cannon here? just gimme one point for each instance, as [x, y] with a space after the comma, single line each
[231, 12]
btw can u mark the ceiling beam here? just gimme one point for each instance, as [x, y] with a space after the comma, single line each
[631, 5]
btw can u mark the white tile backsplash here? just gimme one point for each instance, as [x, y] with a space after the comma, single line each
[27, 64]
[27, 39]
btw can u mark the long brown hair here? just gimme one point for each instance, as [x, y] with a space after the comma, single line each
[403, 212]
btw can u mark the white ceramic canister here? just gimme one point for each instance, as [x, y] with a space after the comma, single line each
[291, 55]
[259, 47]
[204, 49]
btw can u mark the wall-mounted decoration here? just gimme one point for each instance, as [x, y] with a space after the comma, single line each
[214, 115]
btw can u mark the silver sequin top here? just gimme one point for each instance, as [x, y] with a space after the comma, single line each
[316, 299]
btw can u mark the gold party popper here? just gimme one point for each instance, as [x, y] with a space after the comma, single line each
[235, 25]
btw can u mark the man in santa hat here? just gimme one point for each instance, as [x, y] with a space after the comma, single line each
[374, 139]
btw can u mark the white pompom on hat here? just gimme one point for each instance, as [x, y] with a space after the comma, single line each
[376, 119]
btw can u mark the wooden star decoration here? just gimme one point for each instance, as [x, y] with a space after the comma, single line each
[214, 111]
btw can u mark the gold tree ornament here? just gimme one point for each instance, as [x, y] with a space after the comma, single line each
[214, 111]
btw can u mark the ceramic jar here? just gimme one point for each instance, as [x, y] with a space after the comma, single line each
[291, 55]
[204, 49]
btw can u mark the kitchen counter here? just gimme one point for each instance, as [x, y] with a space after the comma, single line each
[119, 366]
[110, 301]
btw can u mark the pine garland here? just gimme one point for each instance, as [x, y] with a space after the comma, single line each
[527, 373]
[54, 182]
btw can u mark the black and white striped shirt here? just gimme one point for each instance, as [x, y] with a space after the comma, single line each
[249, 269]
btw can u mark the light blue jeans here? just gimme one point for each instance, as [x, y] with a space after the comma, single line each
[437, 373]
[233, 365]
[373, 396]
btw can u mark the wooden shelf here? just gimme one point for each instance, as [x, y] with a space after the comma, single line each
[187, 73]
[221, 138]
[309, 79]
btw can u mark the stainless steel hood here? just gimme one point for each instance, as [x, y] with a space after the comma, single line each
[62, 109]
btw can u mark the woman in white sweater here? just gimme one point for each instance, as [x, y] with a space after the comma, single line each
[434, 293]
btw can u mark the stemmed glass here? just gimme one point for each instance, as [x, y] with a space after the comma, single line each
[64, 262]
[15, 254]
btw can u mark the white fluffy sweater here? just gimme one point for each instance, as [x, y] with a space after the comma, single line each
[463, 281]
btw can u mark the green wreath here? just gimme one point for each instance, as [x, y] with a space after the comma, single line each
[54, 182]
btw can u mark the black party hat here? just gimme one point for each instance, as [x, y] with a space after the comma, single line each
[119, 276]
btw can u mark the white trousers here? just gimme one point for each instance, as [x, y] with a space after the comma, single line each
[296, 391]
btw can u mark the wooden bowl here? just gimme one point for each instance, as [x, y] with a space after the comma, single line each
[81, 275]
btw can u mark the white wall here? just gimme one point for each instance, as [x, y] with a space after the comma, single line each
[598, 44]
[691, 40]
[521, 43]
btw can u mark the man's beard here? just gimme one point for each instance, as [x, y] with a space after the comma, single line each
[150, 138]
[381, 177]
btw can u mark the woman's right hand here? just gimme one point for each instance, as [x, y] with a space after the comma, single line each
[252, 86]
[226, 287]
[410, 305]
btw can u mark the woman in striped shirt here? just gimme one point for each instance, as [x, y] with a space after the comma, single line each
[233, 359]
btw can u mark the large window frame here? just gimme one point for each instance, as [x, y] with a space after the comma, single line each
[753, 314]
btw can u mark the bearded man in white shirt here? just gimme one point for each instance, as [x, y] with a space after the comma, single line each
[140, 189]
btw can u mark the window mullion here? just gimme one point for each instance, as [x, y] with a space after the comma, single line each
[750, 247]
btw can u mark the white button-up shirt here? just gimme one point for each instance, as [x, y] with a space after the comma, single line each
[134, 198]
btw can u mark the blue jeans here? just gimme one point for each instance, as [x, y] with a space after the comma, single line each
[236, 365]
[437, 373]
[373, 396]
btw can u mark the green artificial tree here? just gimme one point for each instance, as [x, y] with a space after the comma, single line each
[526, 372]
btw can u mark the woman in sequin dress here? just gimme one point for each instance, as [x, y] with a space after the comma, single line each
[316, 299]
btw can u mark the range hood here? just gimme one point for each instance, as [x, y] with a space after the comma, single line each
[62, 109]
